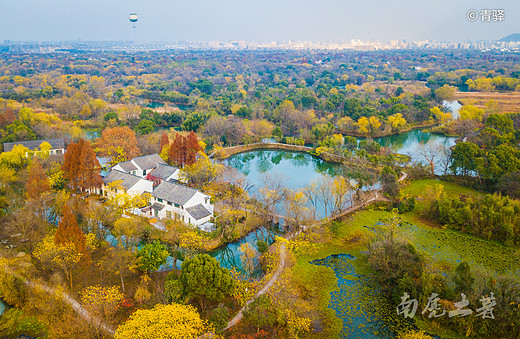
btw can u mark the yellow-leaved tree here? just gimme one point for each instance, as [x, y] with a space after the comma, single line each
[101, 301]
[440, 116]
[375, 123]
[396, 121]
[163, 321]
[363, 124]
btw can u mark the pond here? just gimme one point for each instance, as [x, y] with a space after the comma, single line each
[409, 143]
[353, 301]
[296, 169]
[229, 256]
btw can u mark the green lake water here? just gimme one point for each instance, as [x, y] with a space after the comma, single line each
[408, 143]
[295, 169]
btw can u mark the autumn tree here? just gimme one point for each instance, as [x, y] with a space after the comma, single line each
[28, 222]
[375, 123]
[396, 121]
[440, 116]
[38, 182]
[64, 257]
[69, 234]
[102, 302]
[445, 93]
[201, 173]
[163, 322]
[119, 262]
[120, 142]
[164, 140]
[192, 148]
[81, 166]
[177, 151]
[202, 278]
[363, 124]
[129, 231]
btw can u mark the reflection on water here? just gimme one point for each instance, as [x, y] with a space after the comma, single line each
[408, 143]
[229, 256]
[298, 169]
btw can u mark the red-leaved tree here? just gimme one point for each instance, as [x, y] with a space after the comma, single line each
[81, 167]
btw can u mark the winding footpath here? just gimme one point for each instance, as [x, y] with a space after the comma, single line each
[65, 297]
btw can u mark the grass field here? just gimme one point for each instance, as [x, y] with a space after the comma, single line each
[505, 102]
[418, 187]
[441, 248]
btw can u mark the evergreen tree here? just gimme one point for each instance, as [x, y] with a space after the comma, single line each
[203, 278]
[463, 278]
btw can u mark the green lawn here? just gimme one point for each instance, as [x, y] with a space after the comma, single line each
[418, 187]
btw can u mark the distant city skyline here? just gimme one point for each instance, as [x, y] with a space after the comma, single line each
[281, 20]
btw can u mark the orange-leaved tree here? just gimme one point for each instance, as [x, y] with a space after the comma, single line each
[192, 148]
[70, 236]
[119, 142]
[165, 141]
[184, 150]
[38, 182]
[81, 167]
[177, 152]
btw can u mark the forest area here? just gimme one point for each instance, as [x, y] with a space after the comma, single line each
[60, 241]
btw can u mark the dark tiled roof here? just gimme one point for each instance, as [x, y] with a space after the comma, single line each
[198, 211]
[157, 206]
[127, 166]
[128, 180]
[163, 171]
[149, 161]
[178, 194]
[35, 144]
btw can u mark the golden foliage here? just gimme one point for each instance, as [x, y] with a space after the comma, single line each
[163, 321]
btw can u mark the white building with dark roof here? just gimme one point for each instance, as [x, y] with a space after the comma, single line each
[140, 166]
[163, 173]
[170, 198]
[176, 201]
[130, 183]
[57, 145]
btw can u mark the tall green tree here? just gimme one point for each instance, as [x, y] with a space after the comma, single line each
[151, 256]
[202, 278]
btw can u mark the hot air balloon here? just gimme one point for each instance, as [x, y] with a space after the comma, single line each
[133, 17]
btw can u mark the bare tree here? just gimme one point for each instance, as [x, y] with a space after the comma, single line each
[323, 191]
[430, 151]
[445, 160]
[273, 192]
[296, 209]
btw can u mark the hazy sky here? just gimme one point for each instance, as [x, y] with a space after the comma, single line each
[253, 20]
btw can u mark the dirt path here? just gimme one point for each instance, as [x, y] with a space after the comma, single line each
[67, 298]
[264, 289]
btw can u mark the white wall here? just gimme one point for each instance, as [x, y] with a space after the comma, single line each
[141, 186]
[198, 198]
